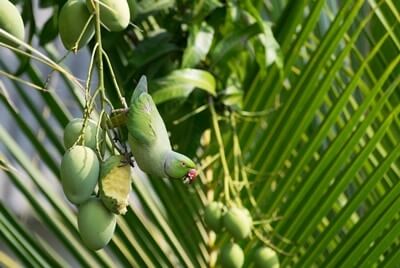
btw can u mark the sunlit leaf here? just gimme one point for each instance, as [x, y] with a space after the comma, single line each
[180, 83]
[199, 44]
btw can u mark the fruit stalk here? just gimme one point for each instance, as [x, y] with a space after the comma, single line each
[100, 55]
[242, 168]
[121, 98]
[100, 67]
[227, 177]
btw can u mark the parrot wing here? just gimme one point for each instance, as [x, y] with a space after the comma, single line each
[145, 124]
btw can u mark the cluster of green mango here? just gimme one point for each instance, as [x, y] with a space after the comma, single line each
[11, 22]
[238, 223]
[76, 22]
[81, 172]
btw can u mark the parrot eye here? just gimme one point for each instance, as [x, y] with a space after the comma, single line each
[183, 164]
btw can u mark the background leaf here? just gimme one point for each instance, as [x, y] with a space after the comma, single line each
[199, 43]
[180, 83]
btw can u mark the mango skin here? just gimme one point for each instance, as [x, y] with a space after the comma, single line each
[73, 129]
[79, 173]
[238, 222]
[114, 14]
[11, 22]
[115, 184]
[73, 17]
[232, 256]
[265, 257]
[96, 224]
[213, 215]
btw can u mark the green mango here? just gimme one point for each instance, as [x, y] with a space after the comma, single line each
[114, 14]
[73, 18]
[115, 184]
[73, 130]
[11, 22]
[95, 223]
[238, 222]
[265, 257]
[232, 256]
[80, 170]
[213, 214]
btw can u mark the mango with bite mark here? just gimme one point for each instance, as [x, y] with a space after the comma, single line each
[115, 184]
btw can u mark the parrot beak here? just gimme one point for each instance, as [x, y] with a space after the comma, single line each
[190, 176]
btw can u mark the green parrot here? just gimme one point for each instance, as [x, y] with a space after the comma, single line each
[149, 141]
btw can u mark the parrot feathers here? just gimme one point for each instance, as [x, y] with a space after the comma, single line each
[145, 124]
[149, 140]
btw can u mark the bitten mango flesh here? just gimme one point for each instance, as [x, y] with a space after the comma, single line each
[73, 17]
[11, 22]
[115, 184]
[80, 170]
[96, 224]
[114, 14]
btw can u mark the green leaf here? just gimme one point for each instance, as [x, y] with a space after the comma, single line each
[235, 40]
[50, 29]
[204, 8]
[199, 43]
[180, 83]
[47, 3]
[146, 7]
[271, 48]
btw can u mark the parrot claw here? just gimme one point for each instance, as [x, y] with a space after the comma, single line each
[127, 160]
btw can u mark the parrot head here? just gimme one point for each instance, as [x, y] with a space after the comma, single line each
[178, 166]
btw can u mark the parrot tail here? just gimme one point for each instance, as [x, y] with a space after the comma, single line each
[140, 88]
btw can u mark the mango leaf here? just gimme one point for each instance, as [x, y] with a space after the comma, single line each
[204, 8]
[28, 18]
[150, 49]
[234, 40]
[199, 44]
[272, 51]
[50, 29]
[47, 3]
[145, 7]
[270, 46]
[180, 83]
